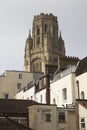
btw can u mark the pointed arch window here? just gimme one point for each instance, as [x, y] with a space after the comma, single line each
[33, 67]
[38, 31]
[40, 66]
[45, 28]
[82, 95]
[54, 101]
[37, 67]
[38, 40]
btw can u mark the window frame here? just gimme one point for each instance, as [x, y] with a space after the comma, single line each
[82, 122]
[48, 116]
[41, 98]
[64, 94]
[62, 118]
[6, 95]
[18, 86]
[20, 76]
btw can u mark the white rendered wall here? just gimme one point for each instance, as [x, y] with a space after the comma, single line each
[39, 95]
[19, 95]
[82, 84]
[57, 87]
[28, 94]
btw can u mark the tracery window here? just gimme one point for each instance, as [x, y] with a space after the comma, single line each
[45, 28]
[38, 31]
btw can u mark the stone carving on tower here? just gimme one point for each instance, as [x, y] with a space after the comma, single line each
[43, 48]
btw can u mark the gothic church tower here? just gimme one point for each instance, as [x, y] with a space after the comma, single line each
[43, 48]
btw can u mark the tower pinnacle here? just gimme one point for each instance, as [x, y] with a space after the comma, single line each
[29, 33]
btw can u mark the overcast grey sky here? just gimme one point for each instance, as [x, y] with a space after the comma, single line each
[16, 17]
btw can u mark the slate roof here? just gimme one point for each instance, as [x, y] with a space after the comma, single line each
[15, 107]
[82, 67]
[8, 124]
[82, 102]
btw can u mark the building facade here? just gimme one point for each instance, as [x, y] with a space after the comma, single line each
[62, 89]
[81, 114]
[13, 81]
[50, 117]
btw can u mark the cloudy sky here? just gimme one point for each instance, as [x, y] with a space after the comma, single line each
[16, 18]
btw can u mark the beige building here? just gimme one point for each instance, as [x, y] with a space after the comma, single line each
[43, 117]
[43, 48]
[49, 117]
[12, 82]
[66, 119]
[81, 114]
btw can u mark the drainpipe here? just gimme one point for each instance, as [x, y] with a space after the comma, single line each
[77, 107]
[78, 89]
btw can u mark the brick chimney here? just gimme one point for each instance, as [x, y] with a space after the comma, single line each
[48, 89]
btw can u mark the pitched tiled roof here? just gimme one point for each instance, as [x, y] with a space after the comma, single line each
[82, 102]
[15, 106]
[82, 67]
[8, 124]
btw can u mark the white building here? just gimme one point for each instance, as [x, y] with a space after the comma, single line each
[67, 86]
[69, 91]
[61, 89]
[82, 85]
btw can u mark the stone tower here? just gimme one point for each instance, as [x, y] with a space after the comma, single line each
[43, 48]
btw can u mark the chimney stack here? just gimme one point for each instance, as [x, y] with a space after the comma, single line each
[48, 89]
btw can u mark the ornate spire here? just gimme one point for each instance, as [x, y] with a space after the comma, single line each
[29, 33]
[60, 35]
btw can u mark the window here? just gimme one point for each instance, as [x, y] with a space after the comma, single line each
[82, 95]
[61, 117]
[38, 31]
[19, 86]
[54, 101]
[38, 40]
[54, 30]
[45, 28]
[41, 98]
[48, 117]
[20, 76]
[31, 97]
[6, 95]
[83, 122]
[64, 94]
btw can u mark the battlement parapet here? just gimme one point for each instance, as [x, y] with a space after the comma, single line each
[45, 16]
[68, 58]
[64, 61]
